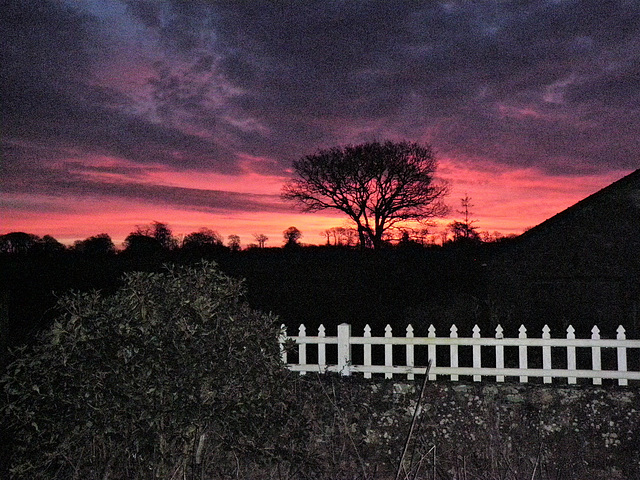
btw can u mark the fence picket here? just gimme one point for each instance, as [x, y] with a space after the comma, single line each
[596, 359]
[409, 352]
[344, 349]
[367, 350]
[431, 351]
[499, 353]
[453, 351]
[477, 356]
[283, 337]
[622, 355]
[388, 351]
[546, 353]
[302, 348]
[522, 354]
[322, 349]
[571, 354]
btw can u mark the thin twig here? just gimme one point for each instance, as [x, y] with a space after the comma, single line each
[434, 462]
[422, 459]
[535, 467]
[416, 412]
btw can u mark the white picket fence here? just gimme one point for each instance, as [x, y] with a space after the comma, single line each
[564, 354]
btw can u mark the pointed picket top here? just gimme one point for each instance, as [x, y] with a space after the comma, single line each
[621, 333]
[595, 332]
[454, 331]
[302, 331]
[476, 331]
[367, 330]
[431, 331]
[387, 331]
[409, 331]
[321, 331]
[571, 332]
[499, 332]
[546, 332]
[283, 329]
[522, 332]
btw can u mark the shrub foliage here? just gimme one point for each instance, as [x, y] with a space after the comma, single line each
[170, 377]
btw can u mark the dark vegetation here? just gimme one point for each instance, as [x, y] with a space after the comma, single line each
[175, 376]
[151, 371]
[122, 385]
[312, 285]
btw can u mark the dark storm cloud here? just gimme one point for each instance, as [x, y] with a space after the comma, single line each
[547, 84]
[50, 95]
[310, 70]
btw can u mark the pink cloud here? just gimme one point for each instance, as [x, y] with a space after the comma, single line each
[511, 200]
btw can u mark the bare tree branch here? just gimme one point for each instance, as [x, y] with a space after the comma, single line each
[375, 184]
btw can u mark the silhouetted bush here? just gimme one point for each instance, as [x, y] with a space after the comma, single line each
[172, 373]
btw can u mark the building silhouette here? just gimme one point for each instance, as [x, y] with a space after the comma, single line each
[581, 267]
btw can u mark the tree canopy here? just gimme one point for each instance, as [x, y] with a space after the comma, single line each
[203, 240]
[100, 244]
[377, 185]
[291, 237]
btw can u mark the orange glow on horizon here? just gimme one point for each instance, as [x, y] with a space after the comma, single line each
[118, 218]
[508, 201]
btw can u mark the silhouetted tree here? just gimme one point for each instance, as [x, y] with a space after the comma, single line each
[461, 232]
[421, 235]
[291, 237]
[233, 242]
[48, 244]
[347, 236]
[203, 242]
[407, 242]
[161, 232]
[18, 242]
[332, 234]
[496, 236]
[139, 245]
[464, 230]
[376, 184]
[261, 239]
[100, 244]
[205, 237]
[340, 235]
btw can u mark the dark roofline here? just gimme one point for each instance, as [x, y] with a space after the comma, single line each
[632, 177]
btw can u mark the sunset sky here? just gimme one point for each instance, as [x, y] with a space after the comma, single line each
[117, 113]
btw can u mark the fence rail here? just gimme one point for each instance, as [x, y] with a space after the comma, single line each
[486, 359]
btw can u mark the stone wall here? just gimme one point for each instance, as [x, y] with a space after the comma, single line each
[488, 430]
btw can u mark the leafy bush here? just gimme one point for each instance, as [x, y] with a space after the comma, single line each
[173, 376]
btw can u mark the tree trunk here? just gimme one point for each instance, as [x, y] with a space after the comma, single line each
[376, 238]
[363, 242]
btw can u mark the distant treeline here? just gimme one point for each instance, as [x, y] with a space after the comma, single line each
[406, 283]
